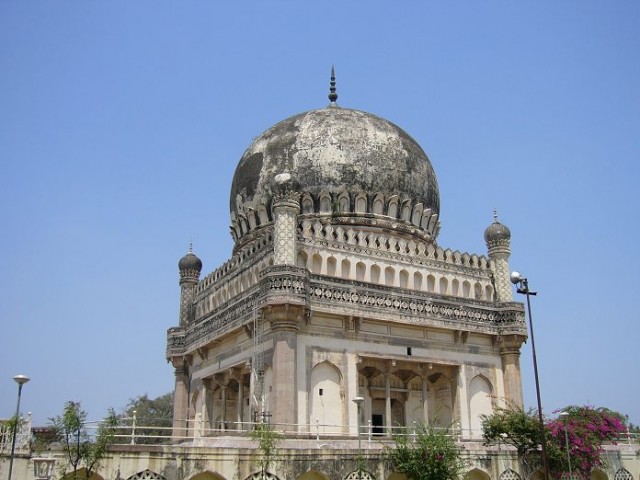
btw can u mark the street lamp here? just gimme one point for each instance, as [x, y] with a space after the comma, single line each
[358, 401]
[20, 380]
[523, 288]
[565, 417]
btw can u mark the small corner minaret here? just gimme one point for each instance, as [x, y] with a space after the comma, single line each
[498, 238]
[286, 208]
[190, 267]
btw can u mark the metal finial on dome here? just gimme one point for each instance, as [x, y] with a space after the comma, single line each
[333, 96]
[191, 246]
[495, 215]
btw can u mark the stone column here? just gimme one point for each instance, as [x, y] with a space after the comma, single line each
[425, 400]
[181, 398]
[284, 320]
[240, 403]
[510, 353]
[224, 407]
[387, 400]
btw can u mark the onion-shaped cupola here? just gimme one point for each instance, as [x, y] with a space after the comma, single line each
[190, 266]
[496, 234]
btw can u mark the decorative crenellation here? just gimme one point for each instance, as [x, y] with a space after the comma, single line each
[227, 318]
[250, 251]
[373, 243]
[384, 259]
[343, 207]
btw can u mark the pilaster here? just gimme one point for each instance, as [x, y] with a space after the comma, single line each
[510, 352]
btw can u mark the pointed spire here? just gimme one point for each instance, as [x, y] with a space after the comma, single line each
[333, 96]
[190, 246]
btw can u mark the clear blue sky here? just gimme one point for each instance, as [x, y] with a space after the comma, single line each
[121, 124]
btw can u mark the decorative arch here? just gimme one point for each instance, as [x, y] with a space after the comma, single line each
[307, 203]
[325, 202]
[598, 474]
[332, 266]
[443, 286]
[325, 397]
[208, 475]
[509, 474]
[359, 475]
[361, 203]
[302, 259]
[147, 475]
[389, 276]
[477, 474]
[378, 204]
[375, 274]
[417, 281]
[316, 263]
[82, 473]
[622, 474]
[361, 270]
[480, 391]
[404, 279]
[262, 476]
[345, 268]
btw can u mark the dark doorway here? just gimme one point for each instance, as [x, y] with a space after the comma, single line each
[377, 424]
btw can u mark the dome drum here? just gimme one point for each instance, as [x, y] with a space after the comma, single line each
[345, 208]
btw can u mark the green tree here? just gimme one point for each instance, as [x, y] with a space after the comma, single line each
[426, 453]
[516, 427]
[84, 451]
[267, 438]
[154, 418]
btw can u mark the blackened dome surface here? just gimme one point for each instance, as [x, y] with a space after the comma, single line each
[333, 149]
[190, 263]
[497, 231]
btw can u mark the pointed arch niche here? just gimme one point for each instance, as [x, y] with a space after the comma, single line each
[326, 406]
[480, 392]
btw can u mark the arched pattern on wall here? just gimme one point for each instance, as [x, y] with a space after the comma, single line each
[441, 403]
[598, 474]
[362, 475]
[477, 474]
[81, 473]
[261, 476]
[146, 475]
[622, 474]
[509, 474]
[207, 476]
[326, 405]
[479, 402]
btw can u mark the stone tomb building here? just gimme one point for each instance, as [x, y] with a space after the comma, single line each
[337, 290]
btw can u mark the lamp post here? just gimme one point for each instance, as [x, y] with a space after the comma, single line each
[358, 401]
[565, 418]
[523, 288]
[20, 380]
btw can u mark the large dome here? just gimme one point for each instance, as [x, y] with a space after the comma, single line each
[331, 151]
